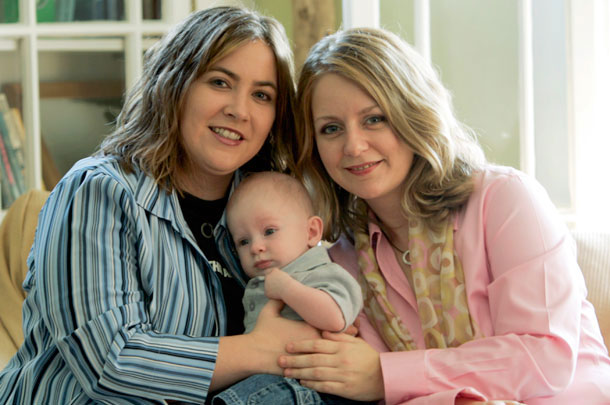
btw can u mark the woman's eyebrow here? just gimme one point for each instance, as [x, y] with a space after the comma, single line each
[367, 109]
[325, 118]
[235, 76]
[332, 117]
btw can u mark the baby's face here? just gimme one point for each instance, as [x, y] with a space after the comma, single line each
[269, 230]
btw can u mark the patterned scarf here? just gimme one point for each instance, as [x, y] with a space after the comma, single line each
[438, 283]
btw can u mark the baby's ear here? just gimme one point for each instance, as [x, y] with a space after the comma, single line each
[315, 227]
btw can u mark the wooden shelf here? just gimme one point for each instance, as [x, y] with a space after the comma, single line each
[21, 73]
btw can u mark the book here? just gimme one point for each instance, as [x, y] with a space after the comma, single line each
[65, 10]
[10, 191]
[116, 9]
[45, 11]
[13, 93]
[13, 169]
[6, 196]
[9, 11]
[96, 10]
[14, 142]
[50, 172]
[18, 123]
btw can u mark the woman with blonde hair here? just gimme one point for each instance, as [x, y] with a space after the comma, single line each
[471, 288]
[133, 289]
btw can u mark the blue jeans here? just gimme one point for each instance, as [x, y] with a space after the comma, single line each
[270, 389]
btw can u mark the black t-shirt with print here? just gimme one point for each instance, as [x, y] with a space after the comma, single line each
[202, 216]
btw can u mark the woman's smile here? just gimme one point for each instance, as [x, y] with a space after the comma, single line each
[363, 169]
[225, 133]
[356, 143]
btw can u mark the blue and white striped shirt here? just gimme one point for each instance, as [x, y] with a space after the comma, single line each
[122, 306]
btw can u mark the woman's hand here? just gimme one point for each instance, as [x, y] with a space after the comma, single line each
[257, 352]
[339, 364]
[273, 332]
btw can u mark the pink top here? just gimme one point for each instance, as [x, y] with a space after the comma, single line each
[542, 342]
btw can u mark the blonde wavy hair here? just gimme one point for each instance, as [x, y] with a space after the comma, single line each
[420, 112]
[147, 133]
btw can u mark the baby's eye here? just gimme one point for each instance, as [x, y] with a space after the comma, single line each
[243, 242]
[269, 231]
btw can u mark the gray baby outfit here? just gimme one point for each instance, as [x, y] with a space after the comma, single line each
[314, 269]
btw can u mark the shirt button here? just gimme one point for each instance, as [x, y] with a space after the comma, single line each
[255, 283]
[251, 306]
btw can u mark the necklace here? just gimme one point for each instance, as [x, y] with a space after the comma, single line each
[405, 255]
[207, 230]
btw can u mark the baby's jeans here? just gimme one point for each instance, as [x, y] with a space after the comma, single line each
[270, 389]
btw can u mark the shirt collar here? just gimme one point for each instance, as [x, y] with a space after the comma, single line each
[374, 234]
[375, 231]
[313, 257]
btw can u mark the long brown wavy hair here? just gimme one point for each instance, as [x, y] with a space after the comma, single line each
[147, 133]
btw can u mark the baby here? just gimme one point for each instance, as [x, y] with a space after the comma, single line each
[271, 219]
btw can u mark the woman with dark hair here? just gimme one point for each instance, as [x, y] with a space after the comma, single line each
[471, 288]
[134, 291]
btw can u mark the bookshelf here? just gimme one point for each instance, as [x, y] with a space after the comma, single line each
[75, 64]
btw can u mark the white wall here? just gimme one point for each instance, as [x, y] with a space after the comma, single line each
[550, 98]
[475, 46]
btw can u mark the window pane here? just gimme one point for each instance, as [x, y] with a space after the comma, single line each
[12, 136]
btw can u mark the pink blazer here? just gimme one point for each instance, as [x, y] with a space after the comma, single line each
[541, 344]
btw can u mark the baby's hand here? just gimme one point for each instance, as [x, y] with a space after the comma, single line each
[276, 282]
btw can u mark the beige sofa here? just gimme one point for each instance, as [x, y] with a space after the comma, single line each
[16, 237]
[594, 260]
[17, 234]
